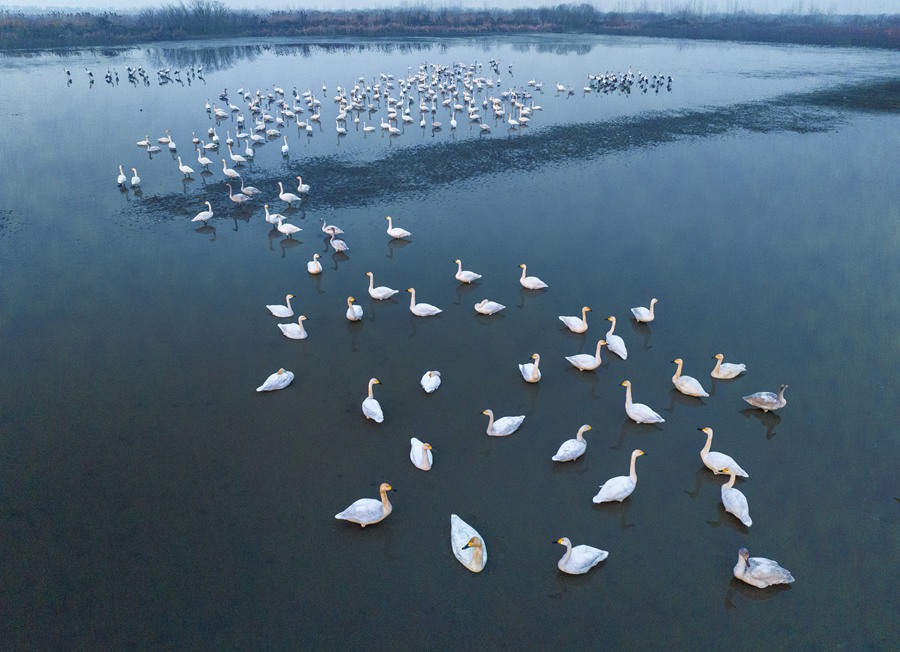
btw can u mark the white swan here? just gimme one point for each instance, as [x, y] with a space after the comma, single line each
[572, 449]
[396, 231]
[288, 197]
[381, 292]
[202, 160]
[464, 276]
[759, 571]
[239, 198]
[615, 343]
[284, 148]
[575, 324]
[294, 331]
[687, 385]
[121, 179]
[431, 381]
[644, 315]
[282, 311]
[370, 406]
[279, 380]
[338, 245]
[467, 545]
[314, 266]
[766, 401]
[502, 426]
[580, 559]
[354, 312]
[420, 454]
[331, 229]
[250, 191]
[530, 371]
[726, 370]
[186, 170]
[734, 500]
[486, 307]
[639, 412]
[272, 218]
[716, 461]
[531, 282]
[620, 487]
[421, 309]
[237, 159]
[203, 216]
[135, 179]
[586, 362]
[231, 173]
[367, 511]
[302, 188]
[287, 229]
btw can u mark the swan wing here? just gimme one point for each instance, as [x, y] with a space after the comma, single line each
[582, 559]
[571, 449]
[618, 488]
[716, 461]
[767, 572]
[617, 345]
[278, 380]
[690, 386]
[431, 381]
[583, 361]
[507, 425]
[364, 511]
[736, 503]
[643, 414]
[372, 409]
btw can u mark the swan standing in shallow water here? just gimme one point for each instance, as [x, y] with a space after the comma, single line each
[314, 266]
[734, 500]
[531, 282]
[279, 380]
[294, 331]
[575, 324]
[272, 218]
[370, 406]
[135, 180]
[572, 449]
[331, 229]
[639, 412]
[203, 216]
[615, 343]
[282, 311]
[431, 381]
[421, 309]
[420, 454]
[367, 511]
[502, 426]
[580, 559]
[288, 197]
[287, 229]
[121, 179]
[464, 276]
[716, 461]
[644, 315]
[338, 245]
[354, 312]
[586, 362]
[530, 371]
[239, 198]
[186, 170]
[486, 307]
[467, 545]
[302, 188]
[687, 385]
[766, 401]
[759, 571]
[620, 487]
[381, 292]
[726, 370]
[396, 231]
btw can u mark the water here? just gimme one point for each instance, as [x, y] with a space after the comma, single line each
[152, 499]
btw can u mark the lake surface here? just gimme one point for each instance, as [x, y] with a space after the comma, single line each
[151, 499]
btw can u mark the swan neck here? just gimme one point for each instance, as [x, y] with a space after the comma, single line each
[371, 281]
[718, 365]
[633, 471]
[612, 328]
[490, 427]
[652, 306]
[371, 385]
[534, 369]
[597, 353]
[477, 554]
[708, 444]
[412, 298]
[385, 502]
[677, 371]
[523, 272]
[628, 397]
[731, 478]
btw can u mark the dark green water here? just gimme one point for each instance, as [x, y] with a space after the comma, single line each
[150, 499]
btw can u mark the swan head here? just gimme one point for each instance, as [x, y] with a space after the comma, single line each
[290, 296]
[386, 487]
[474, 542]
[315, 256]
[611, 318]
[522, 265]
[602, 342]
[535, 356]
[706, 431]
[458, 261]
[427, 447]
[280, 371]
[302, 318]
[375, 381]
[410, 290]
[678, 361]
[585, 309]
[266, 207]
[488, 413]
[368, 273]
[743, 552]
[564, 541]
[718, 356]
[350, 300]
[653, 301]
[625, 383]
[638, 452]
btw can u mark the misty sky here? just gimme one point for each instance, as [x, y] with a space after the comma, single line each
[761, 6]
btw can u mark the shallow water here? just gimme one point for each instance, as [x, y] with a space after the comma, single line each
[151, 498]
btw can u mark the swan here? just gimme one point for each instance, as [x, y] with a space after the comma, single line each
[203, 216]
[330, 229]
[354, 312]
[185, 169]
[759, 571]
[421, 309]
[486, 307]
[615, 343]
[687, 385]
[531, 282]
[502, 426]
[734, 500]
[282, 311]
[287, 229]
[135, 180]
[464, 276]
[367, 128]
[121, 179]
[152, 149]
[644, 315]
[237, 159]
[231, 173]
[572, 449]
[586, 362]
[294, 331]
[302, 188]
[716, 461]
[467, 545]
[371, 407]
[367, 511]
[314, 266]
[639, 412]
[272, 218]
[284, 148]
[396, 231]
[431, 381]
[279, 380]
[239, 198]
[288, 197]
[338, 244]
[530, 371]
[202, 160]
[420, 454]
[726, 370]
[580, 559]
[766, 401]
[575, 324]
[620, 487]
[381, 292]
[144, 143]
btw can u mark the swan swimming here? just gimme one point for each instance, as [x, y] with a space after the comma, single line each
[395, 231]
[585, 362]
[572, 449]
[354, 312]
[294, 331]
[621, 486]
[486, 307]
[530, 371]
[465, 276]
[314, 266]
[644, 315]
[734, 500]
[279, 380]
[370, 406]
[766, 401]
[421, 309]
[467, 545]
[615, 343]
[530, 282]
[282, 311]
[431, 381]
[639, 412]
[726, 370]
[503, 426]
[580, 559]
[368, 511]
[716, 461]
[575, 324]
[381, 292]
[759, 571]
[687, 385]
[420, 454]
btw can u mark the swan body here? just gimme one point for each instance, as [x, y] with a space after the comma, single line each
[294, 331]
[203, 216]
[396, 231]
[135, 179]
[726, 370]
[370, 406]
[531, 282]
[282, 311]
[431, 381]
[716, 461]
[338, 245]
[734, 500]
[302, 188]
[279, 380]
[381, 292]
[464, 276]
[288, 197]
[645, 315]
[639, 412]
[239, 198]
[620, 487]
[287, 229]
[687, 385]
[530, 371]
[580, 559]
[486, 307]
[121, 179]
[759, 571]
[231, 173]
[766, 401]
[367, 511]
[585, 362]
[331, 229]
[467, 545]
[575, 324]
[314, 266]
[420, 454]
[202, 160]
[354, 312]
[421, 309]
[502, 426]
[615, 343]
[572, 449]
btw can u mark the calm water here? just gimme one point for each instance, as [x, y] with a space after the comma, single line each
[151, 499]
